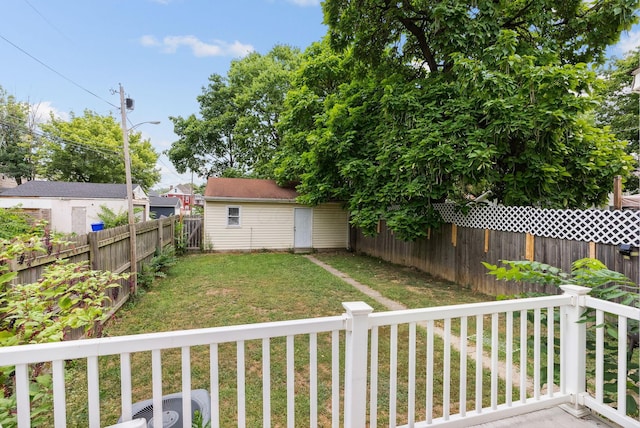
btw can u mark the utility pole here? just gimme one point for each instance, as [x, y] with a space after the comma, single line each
[127, 169]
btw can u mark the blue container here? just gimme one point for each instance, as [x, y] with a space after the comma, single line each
[97, 226]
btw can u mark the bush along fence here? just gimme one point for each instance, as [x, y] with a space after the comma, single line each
[491, 233]
[104, 250]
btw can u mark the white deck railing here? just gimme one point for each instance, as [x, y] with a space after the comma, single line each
[423, 367]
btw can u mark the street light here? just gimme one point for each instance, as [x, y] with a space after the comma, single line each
[124, 105]
[127, 165]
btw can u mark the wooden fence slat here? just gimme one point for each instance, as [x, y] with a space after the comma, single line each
[106, 250]
[461, 262]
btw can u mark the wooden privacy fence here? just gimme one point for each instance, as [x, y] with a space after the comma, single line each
[193, 232]
[107, 250]
[491, 233]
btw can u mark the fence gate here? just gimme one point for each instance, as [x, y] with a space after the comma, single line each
[193, 231]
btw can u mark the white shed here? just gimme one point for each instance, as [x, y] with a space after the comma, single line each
[72, 207]
[250, 214]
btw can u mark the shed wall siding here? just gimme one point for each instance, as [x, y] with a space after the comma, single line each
[330, 226]
[262, 226]
[270, 226]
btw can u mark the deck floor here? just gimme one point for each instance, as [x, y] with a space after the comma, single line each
[553, 417]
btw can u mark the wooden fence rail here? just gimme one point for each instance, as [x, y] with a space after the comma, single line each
[193, 232]
[106, 250]
[456, 254]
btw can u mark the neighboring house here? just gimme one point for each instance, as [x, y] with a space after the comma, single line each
[250, 214]
[72, 207]
[198, 200]
[185, 194]
[164, 207]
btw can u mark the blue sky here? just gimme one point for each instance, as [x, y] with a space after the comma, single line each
[161, 51]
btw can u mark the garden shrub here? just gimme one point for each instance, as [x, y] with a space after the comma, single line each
[68, 296]
[156, 268]
[15, 223]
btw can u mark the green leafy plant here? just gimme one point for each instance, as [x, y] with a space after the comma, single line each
[605, 284]
[156, 268]
[112, 219]
[68, 296]
[197, 421]
[14, 222]
[181, 239]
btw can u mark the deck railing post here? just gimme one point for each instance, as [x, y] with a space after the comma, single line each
[355, 385]
[573, 349]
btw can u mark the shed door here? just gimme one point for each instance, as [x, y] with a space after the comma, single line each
[302, 225]
[79, 220]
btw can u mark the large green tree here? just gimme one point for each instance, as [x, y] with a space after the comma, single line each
[16, 139]
[433, 32]
[235, 133]
[444, 100]
[618, 108]
[88, 148]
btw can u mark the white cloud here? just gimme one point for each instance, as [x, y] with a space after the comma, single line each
[43, 110]
[305, 2]
[171, 44]
[149, 41]
[629, 40]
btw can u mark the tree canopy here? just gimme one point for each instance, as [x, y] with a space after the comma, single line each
[421, 102]
[16, 139]
[619, 106]
[236, 132]
[433, 32]
[89, 148]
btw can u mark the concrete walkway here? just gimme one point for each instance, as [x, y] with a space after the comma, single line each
[553, 417]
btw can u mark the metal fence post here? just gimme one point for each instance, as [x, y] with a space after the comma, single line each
[355, 385]
[573, 349]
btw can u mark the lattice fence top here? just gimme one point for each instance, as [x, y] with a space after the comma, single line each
[601, 226]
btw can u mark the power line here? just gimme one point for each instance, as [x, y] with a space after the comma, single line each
[48, 22]
[57, 72]
[103, 151]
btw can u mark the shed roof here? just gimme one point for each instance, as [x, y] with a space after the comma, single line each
[163, 201]
[60, 189]
[247, 189]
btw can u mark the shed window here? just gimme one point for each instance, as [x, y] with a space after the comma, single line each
[233, 216]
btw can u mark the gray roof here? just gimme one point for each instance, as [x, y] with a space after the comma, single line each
[158, 201]
[62, 189]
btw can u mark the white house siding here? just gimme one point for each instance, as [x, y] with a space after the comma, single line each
[330, 226]
[61, 209]
[262, 226]
[270, 226]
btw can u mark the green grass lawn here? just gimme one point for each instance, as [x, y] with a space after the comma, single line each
[407, 285]
[228, 289]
